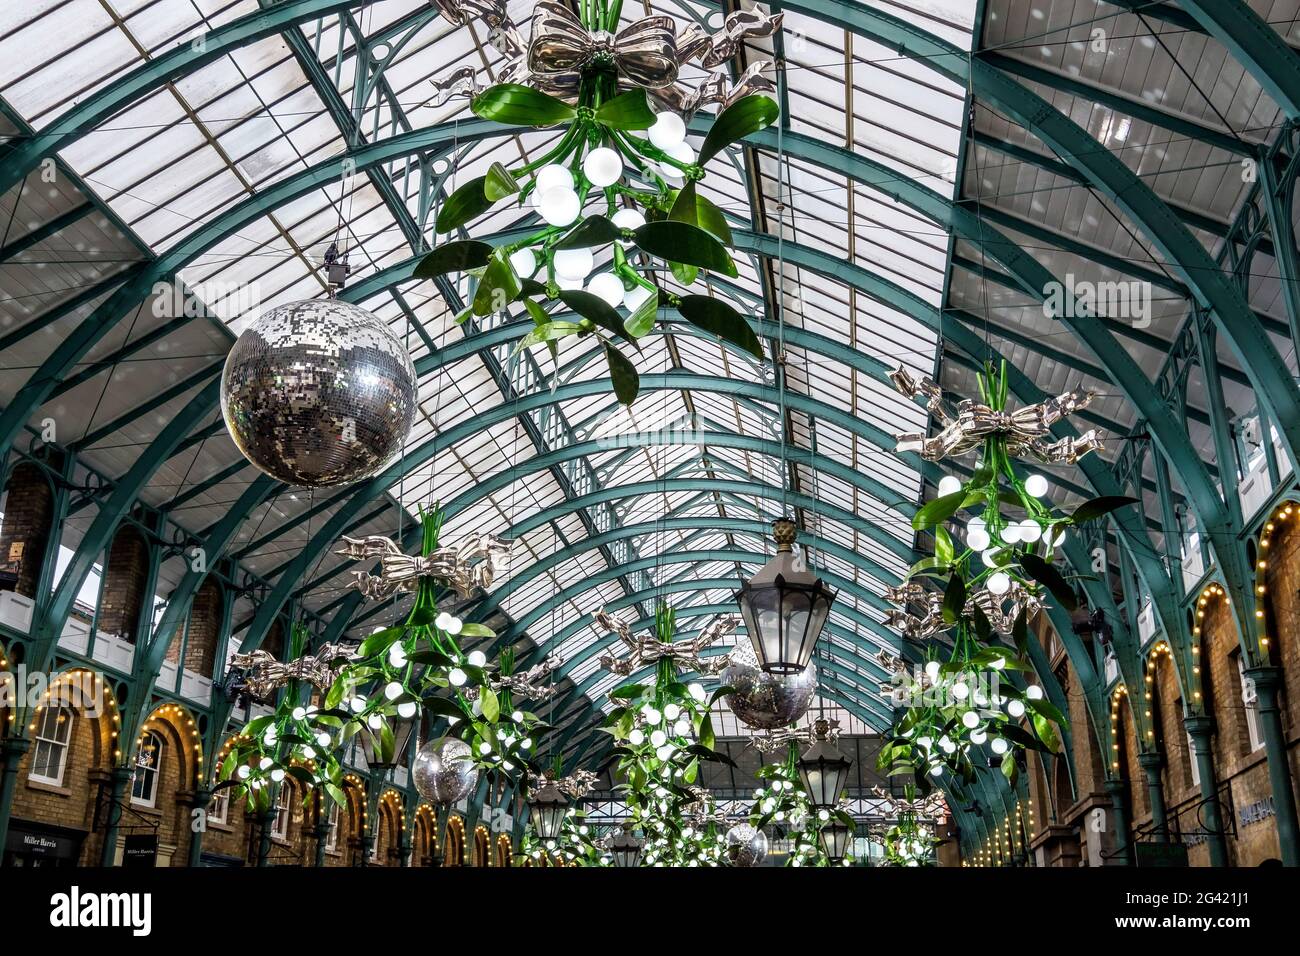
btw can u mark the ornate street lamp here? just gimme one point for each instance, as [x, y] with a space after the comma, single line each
[546, 810]
[625, 848]
[835, 837]
[785, 607]
[379, 756]
[823, 769]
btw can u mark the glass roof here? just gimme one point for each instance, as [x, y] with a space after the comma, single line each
[182, 158]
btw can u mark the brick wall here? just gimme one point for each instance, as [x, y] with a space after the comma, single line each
[28, 518]
[71, 802]
[203, 631]
[125, 573]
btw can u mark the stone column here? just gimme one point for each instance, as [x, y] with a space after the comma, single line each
[117, 781]
[1268, 681]
[1201, 729]
[13, 749]
[1151, 764]
[1119, 806]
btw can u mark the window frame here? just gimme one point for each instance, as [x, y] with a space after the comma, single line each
[151, 773]
[52, 744]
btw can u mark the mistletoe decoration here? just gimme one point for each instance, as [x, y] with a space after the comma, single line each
[783, 803]
[663, 733]
[617, 155]
[982, 584]
[910, 840]
[396, 676]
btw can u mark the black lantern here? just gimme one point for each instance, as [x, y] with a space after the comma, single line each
[785, 607]
[823, 769]
[372, 743]
[625, 848]
[546, 810]
[835, 837]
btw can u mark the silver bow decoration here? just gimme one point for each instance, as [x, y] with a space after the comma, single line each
[646, 54]
[1000, 609]
[264, 675]
[772, 741]
[466, 566]
[648, 649]
[530, 685]
[931, 805]
[575, 786]
[966, 427]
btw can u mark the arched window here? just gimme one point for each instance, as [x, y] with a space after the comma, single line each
[332, 841]
[283, 809]
[50, 756]
[148, 766]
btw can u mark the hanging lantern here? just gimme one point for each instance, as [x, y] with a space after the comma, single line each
[823, 769]
[379, 757]
[785, 607]
[546, 810]
[626, 849]
[835, 837]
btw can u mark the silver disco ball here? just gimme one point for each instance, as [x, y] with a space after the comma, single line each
[767, 701]
[443, 772]
[746, 845]
[318, 393]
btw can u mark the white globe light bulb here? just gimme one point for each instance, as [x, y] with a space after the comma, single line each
[990, 557]
[663, 753]
[696, 691]
[925, 742]
[970, 720]
[672, 712]
[299, 713]
[960, 691]
[603, 167]
[627, 218]
[243, 772]
[658, 738]
[1034, 692]
[454, 624]
[523, 262]
[1011, 533]
[634, 297]
[393, 690]
[978, 539]
[551, 177]
[374, 721]
[1030, 531]
[684, 154]
[477, 658]
[397, 655]
[1058, 538]
[277, 774]
[574, 263]
[406, 710]
[651, 714]
[978, 736]
[936, 770]
[457, 677]
[571, 284]
[682, 727]
[1036, 485]
[999, 745]
[1016, 708]
[607, 286]
[949, 485]
[559, 206]
[440, 622]
[932, 670]
[999, 582]
[668, 130]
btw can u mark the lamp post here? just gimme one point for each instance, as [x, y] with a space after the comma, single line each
[625, 848]
[546, 810]
[835, 837]
[785, 607]
[378, 756]
[823, 769]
